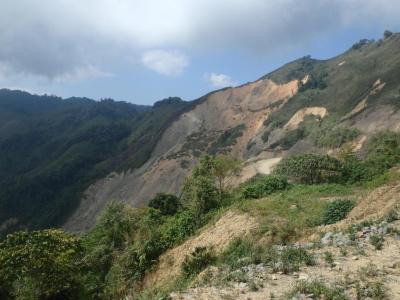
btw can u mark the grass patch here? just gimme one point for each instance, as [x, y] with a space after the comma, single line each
[319, 289]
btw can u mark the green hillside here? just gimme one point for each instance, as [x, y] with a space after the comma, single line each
[52, 149]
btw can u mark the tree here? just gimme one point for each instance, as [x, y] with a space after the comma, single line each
[199, 191]
[387, 34]
[41, 265]
[224, 169]
[168, 204]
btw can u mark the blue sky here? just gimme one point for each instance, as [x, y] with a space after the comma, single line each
[142, 52]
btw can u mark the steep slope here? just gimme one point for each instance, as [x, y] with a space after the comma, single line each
[262, 121]
[52, 149]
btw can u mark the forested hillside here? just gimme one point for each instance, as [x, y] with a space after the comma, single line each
[52, 149]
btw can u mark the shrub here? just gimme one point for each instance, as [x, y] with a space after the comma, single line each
[319, 290]
[42, 264]
[328, 257]
[382, 151]
[310, 169]
[265, 186]
[292, 258]
[178, 227]
[197, 261]
[334, 138]
[377, 240]
[167, 204]
[241, 252]
[336, 210]
[227, 139]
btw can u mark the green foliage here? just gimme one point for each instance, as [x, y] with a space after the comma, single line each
[199, 190]
[177, 228]
[380, 153]
[167, 204]
[377, 241]
[328, 137]
[292, 258]
[329, 259]
[52, 149]
[310, 169]
[197, 261]
[264, 186]
[337, 210]
[241, 252]
[43, 264]
[226, 139]
[224, 169]
[319, 290]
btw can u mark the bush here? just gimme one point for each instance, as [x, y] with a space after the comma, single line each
[336, 210]
[310, 169]
[265, 186]
[241, 252]
[178, 227]
[377, 241]
[292, 258]
[197, 261]
[42, 264]
[167, 204]
[334, 138]
[319, 290]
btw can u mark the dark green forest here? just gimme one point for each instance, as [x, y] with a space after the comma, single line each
[52, 149]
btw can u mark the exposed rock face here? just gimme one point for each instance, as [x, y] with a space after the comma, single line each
[246, 106]
[357, 89]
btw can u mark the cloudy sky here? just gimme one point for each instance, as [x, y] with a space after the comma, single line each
[143, 51]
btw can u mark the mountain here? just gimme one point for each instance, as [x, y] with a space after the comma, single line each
[63, 160]
[52, 149]
[304, 205]
[305, 106]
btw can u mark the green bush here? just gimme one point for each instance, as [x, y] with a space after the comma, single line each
[377, 241]
[167, 204]
[265, 186]
[319, 290]
[42, 265]
[336, 210]
[310, 169]
[177, 228]
[241, 252]
[197, 261]
[333, 138]
[292, 258]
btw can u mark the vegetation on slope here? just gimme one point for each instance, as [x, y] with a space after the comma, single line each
[111, 260]
[52, 149]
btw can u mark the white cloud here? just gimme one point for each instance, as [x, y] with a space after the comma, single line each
[83, 73]
[58, 37]
[169, 63]
[219, 80]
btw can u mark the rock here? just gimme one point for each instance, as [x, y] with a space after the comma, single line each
[354, 258]
[274, 277]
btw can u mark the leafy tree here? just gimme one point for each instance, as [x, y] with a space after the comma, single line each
[224, 169]
[167, 204]
[199, 191]
[41, 264]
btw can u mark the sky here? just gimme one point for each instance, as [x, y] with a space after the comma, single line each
[144, 51]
